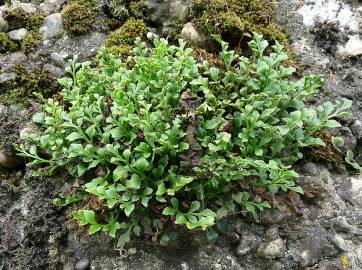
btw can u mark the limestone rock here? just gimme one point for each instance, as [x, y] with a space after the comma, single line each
[272, 249]
[52, 26]
[192, 35]
[353, 47]
[18, 34]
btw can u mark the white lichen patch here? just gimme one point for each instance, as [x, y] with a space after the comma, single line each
[314, 11]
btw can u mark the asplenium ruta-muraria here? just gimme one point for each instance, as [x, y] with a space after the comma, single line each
[165, 143]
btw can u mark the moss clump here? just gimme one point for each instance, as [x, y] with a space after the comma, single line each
[235, 20]
[77, 18]
[120, 42]
[89, 3]
[6, 44]
[29, 42]
[16, 18]
[26, 83]
[139, 9]
[328, 153]
[34, 23]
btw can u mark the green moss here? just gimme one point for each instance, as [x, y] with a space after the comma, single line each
[127, 33]
[121, 52]
[30, 41]
[6, 44]
[328, 153]
[235, 20]
[121, 41]
[38, 80]
[89, 3]
[16, 18]
[139, 9]
[34, 23]
[77, 18]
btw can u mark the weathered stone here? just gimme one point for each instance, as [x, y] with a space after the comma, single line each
[55, 71]
[350, 140]
[51, 6]
[356, 184]
[272, 249]
[310, 168]
[107, 266]
[29, 8]
[359, 256]
[178, 11]
[69, 266]
[357, 129]
[192, 35]
[6, 80]
[353, 47]
[248, 243]
[52, 26]
[339, 242]
[340, 224]
[82, 264]
[58, 59]
[3, 24]
[117, 10]
[18, 34]
[11, 60]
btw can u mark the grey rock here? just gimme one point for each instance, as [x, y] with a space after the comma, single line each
[350, 140]
[11, 60]
[340, 224]
[359, 256]
[69, 266]
[353, 47]
[52, 26]
[55, 71]
[278, 266]
[117, 10]
[192, 35]
[29, 8]
[339, 242]
[310, 168]
[320, 182]
[18, 34]
[58, 59]
[248, 243]
[51, 6]
[29, 128]
[272, 249]
[82, 264]
[107, 266]
[3, 24]
[276, 215]
[178, 11]
[357, 129]
[6, 80]
[345, 191]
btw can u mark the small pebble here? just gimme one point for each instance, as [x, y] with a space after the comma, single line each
[107, 266]
[69, 266]
[82, 264]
